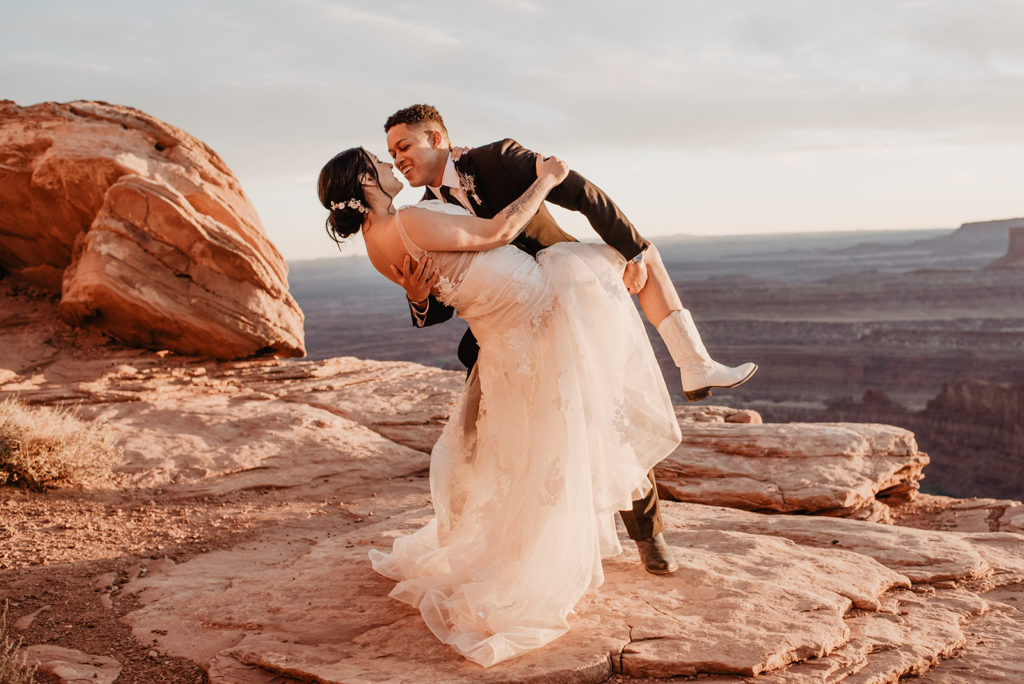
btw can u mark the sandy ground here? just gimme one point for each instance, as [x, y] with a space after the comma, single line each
[64, 555]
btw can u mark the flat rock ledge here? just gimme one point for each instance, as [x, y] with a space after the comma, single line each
[779, 598]
[838, 469]
[759, 597]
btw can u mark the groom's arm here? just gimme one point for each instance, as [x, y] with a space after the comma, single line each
[575, 193]
[418, 279]
[429, 312]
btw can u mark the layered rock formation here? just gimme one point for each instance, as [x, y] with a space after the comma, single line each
[972, 429]
[144, 231]
[1014, 257]
[838, 469]
[972, 236]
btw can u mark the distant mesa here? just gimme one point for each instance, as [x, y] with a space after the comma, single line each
[142, 229]
[1014, 257]
[976, 236]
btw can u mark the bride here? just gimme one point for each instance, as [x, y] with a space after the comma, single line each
[573, 412]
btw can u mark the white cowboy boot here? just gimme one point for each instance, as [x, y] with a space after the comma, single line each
[698, 370]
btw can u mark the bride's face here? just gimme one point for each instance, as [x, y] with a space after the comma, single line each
[419, 154]
[388, 182]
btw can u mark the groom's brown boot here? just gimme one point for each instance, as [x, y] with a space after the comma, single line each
[657, 555]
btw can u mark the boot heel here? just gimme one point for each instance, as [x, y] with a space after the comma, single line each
[697, 395]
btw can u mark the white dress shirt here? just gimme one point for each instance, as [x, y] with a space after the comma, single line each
[449, 179]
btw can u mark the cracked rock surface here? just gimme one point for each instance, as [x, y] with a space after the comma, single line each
[933, 588]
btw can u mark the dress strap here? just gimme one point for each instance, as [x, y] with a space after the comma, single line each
[415, 251]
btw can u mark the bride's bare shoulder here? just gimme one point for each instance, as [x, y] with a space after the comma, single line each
[417, 222]
[384, 248]
[414, 214]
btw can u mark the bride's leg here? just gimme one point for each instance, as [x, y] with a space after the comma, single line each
[658, 298]
[662, 307]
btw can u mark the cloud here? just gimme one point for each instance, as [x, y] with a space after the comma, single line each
[384, 25]
[277, 87]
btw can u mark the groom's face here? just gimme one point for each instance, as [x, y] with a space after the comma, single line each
[419, 153]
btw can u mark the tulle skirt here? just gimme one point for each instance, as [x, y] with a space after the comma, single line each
[562, 417]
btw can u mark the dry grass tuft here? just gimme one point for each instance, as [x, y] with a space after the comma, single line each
[13, 668]
[41, 448]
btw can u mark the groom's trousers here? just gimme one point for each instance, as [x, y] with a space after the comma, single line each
[644, 520]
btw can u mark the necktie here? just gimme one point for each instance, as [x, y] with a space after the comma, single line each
[457, 196]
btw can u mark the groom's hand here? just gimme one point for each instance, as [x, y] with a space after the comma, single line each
[417, 278]
[634, 276]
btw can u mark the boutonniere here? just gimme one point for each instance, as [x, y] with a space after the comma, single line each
[468, 184]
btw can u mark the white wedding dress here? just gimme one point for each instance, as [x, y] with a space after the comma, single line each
[564, 413]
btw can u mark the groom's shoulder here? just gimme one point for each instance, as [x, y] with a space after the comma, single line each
[504, 146]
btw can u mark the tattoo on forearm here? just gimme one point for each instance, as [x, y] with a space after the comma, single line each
[520, 211]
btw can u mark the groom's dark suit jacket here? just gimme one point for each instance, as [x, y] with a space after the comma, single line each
[497, 174]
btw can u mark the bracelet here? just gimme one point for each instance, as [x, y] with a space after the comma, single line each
[421, 302]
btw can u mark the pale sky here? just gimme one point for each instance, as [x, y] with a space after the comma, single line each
[705, 117]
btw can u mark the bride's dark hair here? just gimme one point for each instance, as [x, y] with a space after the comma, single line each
[339, 183]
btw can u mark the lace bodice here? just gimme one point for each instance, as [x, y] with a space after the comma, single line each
[501, 288]
[452, 265]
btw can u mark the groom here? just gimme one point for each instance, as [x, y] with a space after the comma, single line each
[485, 180]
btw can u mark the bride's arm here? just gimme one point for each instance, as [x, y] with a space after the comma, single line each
[438, 232]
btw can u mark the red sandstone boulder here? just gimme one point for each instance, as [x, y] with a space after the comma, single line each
[143, 229]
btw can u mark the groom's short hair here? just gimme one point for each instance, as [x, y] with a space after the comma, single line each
[416, 114]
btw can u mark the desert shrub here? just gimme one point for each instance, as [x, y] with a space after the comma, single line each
[13, 669]
[42, 448]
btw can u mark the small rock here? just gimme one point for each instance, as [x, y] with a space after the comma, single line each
[745, 416]
[158, 566]
[25, 621]
[71, 666]
[1014, 524]
[105, 581]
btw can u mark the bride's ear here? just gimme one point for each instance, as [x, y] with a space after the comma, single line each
[366, 179]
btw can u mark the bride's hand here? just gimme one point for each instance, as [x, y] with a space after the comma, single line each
[458, 152]
[553, 167]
